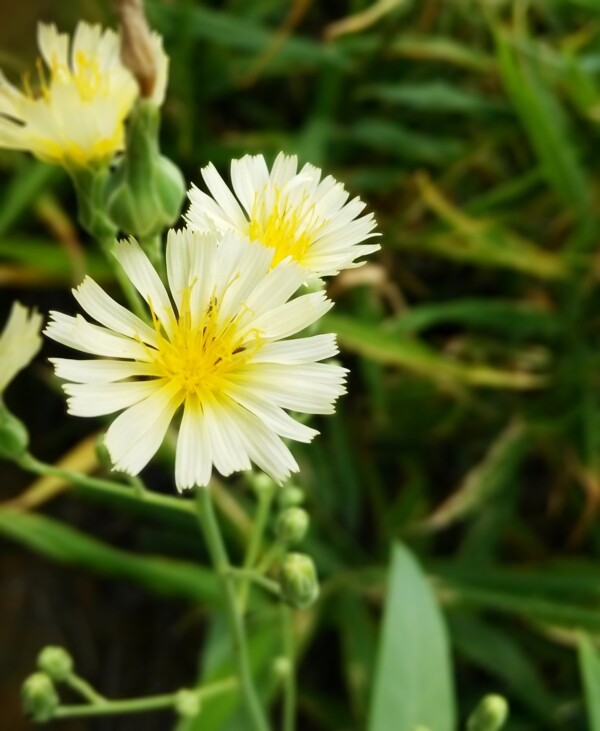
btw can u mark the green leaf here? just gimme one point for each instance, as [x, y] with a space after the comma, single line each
[413, 677]
[433, 96]
[64, 544]
[31, 180]
[545, 123]
[589, 668]
[376, 343]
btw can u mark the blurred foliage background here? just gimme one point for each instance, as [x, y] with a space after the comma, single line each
[471, 431]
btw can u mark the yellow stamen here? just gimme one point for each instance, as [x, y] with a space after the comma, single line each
[288, 228]
[198, 357]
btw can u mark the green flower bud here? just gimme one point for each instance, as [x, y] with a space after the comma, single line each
[40, 699]
[299, 583]
[14, 438]
[290, 496]
[262, 485]
[56, 663]
[146, 191]
[490, 714]
[292, 525]
[282, 667]
[187, 703]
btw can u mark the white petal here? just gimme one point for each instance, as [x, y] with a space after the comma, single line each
[263, 445]
[100, 371]
[144, 278]
[226, 440]
[273, 416]
[292, 317]
[178, 259]
[298, 351]
[311, 388]
[135, 435]
[223, 196]
[193, 457]
[77, 333]
[103, 308]
[98, 399]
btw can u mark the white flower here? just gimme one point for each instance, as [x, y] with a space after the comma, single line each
[294, 213]
[73, 114]
[223, 351]
[19, 342]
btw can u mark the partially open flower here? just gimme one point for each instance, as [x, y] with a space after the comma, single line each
[73, 113]
[220, 346]
[295, 214]
[19, 342]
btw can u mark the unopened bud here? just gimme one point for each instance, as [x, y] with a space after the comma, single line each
[490, 714]
[292, 525]
[14, 438]
[262, 485]
[40, 699]
[187, 703]
[146, 191]
[290, 496]
[299, 583]
[56, 663]
[282, 667]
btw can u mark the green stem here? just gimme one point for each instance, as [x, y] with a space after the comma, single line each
[153, 247]
[289, 683]
[254, 544]
[218, 553]
[96, 486]
[105, 707]
[250, 576]
[85, 690]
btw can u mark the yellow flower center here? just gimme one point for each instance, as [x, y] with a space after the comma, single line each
[199, 357]
[287, 228]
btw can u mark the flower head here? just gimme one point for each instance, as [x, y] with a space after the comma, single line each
[19, 342]
[219, 345]
[73, 114]
[295, 214]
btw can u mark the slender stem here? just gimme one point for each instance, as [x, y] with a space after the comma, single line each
[289, 683]
[113, 708]
[218, 553]
[85, 690]
[104, 707]
[250, 576]
[254, 544]
[95, 486]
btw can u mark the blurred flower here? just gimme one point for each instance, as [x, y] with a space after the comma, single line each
[74, 114]
[222, 352]
[296, 214]
[142, 51]
[19, 342]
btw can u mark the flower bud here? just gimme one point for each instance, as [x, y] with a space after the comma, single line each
[299, 583]
[292, 525]
[187, 703]
[14, 438]
[56, 663]
[490, 714]
[146, 191]
[290, 496]
[262, 485]
[40, 699]
[282, 667]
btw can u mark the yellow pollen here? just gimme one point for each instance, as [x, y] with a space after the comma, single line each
[288, 228]
[199, 357]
